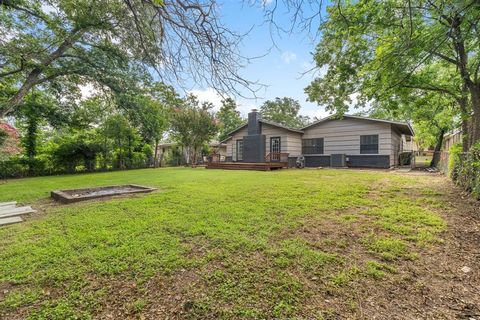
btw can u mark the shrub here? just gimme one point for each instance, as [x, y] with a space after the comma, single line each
[405, 158]
[3, 136]
[12, 168]
[75, 151]
[19, 167]
[465, 169]
[454, 157]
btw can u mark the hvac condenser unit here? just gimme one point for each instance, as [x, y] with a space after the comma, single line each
[338, 160]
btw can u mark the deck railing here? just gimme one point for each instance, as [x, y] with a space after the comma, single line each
[277, 157]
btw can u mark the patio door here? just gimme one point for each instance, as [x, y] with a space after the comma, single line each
[275, 148]
[239, 150]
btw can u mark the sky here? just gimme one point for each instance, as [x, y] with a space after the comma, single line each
[285, 58]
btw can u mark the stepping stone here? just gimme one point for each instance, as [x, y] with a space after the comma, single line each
[18, 211]
[12, 220]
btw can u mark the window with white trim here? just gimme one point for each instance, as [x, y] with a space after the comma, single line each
[312, 146]
[369, 144]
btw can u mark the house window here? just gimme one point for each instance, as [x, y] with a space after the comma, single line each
[369, 144]
[312, 146]
[239, 150]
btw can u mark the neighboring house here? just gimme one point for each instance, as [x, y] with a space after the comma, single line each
[165, 148]
[409, 144]
[349, 141]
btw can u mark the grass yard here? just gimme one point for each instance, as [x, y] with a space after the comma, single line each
[302, 244]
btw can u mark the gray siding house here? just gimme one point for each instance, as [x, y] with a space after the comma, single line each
[351, 141]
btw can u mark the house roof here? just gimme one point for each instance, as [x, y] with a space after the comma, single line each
[403, 127]
[278, 125]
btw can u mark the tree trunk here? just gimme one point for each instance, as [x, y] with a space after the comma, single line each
[105, 151]
[474, 129]
[31, 142]
[472, 86]
[465, 135]
[193, 157]
[438, 148]
[475, 119]
[155, 155]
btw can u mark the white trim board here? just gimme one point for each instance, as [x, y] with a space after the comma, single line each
[19, 209]
[8, 204]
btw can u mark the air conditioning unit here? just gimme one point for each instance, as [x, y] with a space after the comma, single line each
[338, 160]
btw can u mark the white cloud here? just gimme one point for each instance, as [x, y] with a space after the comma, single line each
[314, 111]
[266, 2]
[288, 57]
[245, 106]
[208, 95]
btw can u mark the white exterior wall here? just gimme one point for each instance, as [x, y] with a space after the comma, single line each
[271, 131]
[291, 142]
[232, 143]
[343, 135]
[294, 144]
[340, 137]
[396, 147]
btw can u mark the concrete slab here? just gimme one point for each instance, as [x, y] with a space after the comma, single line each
[12, 220]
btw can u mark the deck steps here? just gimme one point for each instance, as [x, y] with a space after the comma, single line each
[10, 213]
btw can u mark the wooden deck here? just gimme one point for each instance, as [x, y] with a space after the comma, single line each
[260, 166]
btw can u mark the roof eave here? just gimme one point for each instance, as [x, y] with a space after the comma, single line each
[281, 126]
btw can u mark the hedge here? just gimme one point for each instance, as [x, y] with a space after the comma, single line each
[465, 169]
[21, 167]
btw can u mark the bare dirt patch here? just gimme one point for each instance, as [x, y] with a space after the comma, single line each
[442, 284]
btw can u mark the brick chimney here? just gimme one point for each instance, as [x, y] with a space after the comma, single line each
[254, 125]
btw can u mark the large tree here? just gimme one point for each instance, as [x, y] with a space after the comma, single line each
[229, 118]
[116, 44]
[284, 111]
[193, 125]
[149, 110]
[375, 50]
[124, 138]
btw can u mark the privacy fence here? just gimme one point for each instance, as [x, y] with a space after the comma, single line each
[463, 168]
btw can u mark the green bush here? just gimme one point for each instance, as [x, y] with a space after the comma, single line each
[12, 168]
[454, 157]
[3, 136]
[19, 167]
[465, 169]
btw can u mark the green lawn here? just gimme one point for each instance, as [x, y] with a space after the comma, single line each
[213, 244]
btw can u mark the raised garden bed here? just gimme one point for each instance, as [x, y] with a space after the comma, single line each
[76, 195]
